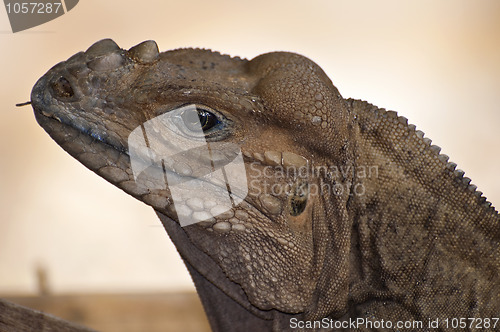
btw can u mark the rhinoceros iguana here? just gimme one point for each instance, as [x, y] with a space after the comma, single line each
[292, 207]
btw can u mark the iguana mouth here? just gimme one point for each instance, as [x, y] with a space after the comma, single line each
[49, 121]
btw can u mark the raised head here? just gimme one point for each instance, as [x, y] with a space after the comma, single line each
[233, 150]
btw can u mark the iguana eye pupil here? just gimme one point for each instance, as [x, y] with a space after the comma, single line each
[202, 118]
[207, 120]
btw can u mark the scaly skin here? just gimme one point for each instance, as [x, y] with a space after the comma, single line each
[379, 225]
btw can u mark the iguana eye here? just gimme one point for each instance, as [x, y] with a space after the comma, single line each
[198, 122]
[202, 117]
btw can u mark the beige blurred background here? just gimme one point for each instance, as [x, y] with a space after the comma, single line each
[435, 62]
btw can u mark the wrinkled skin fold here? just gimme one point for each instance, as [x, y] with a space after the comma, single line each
[341, 210]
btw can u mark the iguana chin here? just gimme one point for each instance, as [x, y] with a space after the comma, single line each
[372, 223]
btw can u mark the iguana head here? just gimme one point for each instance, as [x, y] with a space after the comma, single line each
[236, 151]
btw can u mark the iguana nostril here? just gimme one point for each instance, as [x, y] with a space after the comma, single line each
[62, 88]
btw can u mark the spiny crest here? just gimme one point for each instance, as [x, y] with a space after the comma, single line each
[458, 174]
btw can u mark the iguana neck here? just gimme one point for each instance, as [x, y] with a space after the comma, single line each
[414, 217]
